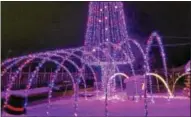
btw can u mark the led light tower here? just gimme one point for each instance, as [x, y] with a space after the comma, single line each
[106, 33]
[106, 23]
[106, 38]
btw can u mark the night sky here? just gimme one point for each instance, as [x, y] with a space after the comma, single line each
[29, 27]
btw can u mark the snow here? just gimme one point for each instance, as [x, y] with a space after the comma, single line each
[94, 107]
[31, 91]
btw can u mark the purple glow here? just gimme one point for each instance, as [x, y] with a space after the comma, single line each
[106, 45]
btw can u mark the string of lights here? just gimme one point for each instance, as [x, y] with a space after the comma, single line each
[106, 46]
[176, 44]
[175, 37]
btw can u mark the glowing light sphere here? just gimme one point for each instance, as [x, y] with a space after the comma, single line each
[94, 50]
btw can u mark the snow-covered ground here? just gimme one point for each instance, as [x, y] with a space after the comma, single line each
[94, 107]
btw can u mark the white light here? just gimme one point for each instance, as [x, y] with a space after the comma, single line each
[105, 7]
[116, 7]
[94, 50]
[105, 17]
[106, 28]
[99, 20]
[107, 39]
[101, 9]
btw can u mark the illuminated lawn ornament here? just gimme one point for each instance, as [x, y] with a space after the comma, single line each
[106, 45]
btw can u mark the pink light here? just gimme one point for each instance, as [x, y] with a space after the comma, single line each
[94, 50]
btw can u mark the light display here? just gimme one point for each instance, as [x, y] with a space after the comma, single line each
[177, 79]
[106, 45]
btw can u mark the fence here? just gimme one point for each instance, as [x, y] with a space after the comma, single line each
[42, 79]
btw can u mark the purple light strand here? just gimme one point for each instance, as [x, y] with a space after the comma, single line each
[149, 42]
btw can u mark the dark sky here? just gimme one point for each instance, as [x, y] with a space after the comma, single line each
[29, 27]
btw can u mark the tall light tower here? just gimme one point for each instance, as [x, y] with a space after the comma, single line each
[106, 30]
[106, 37]
[106, 23]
